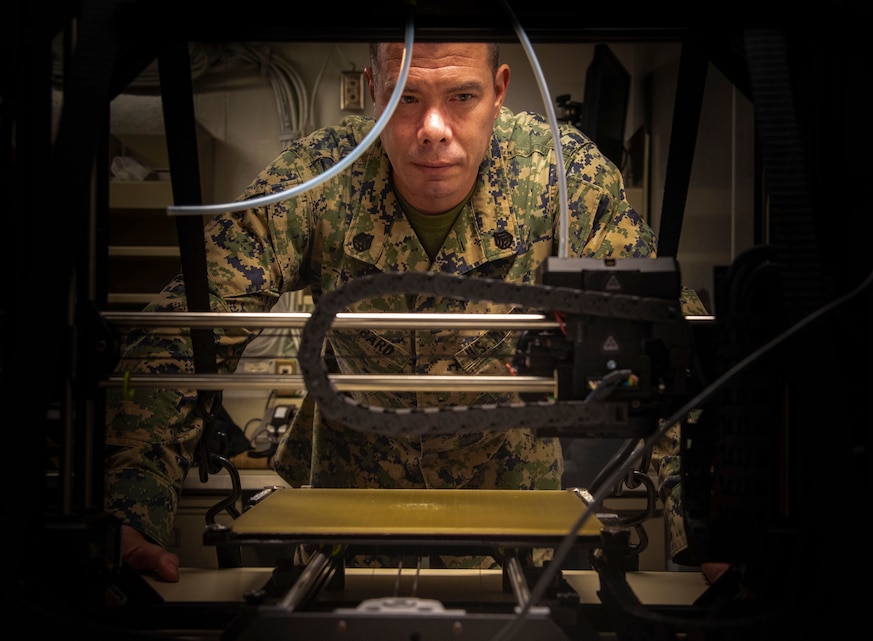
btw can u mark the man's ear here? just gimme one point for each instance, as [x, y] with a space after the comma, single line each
[501, 86]
[368, 74]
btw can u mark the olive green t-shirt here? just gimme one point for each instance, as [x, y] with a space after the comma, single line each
[431, 229]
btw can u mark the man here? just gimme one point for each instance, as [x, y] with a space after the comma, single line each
[456, 184]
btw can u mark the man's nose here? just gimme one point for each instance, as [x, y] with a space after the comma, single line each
[434, 127]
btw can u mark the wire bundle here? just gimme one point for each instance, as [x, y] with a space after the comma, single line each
[292, 100]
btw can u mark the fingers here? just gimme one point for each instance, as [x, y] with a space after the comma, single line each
[713, 570]
[144, 556]
[167, 566]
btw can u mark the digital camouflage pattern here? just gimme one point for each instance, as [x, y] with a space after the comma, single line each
[665, 462]
[349, 226]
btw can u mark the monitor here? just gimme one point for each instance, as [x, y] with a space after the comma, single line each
[605, 105]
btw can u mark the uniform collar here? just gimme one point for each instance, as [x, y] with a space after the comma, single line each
[487, 229]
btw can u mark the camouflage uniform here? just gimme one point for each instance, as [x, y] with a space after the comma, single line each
[350, 226]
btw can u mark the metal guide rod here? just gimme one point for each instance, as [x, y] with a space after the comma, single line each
[313, 574]
[517, 580]
[382, 320]
[342, 382]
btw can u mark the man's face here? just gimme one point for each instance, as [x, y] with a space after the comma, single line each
[440, 130]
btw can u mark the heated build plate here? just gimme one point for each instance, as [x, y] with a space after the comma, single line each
[416, 515]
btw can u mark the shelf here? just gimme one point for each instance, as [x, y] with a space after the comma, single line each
[141, 238]
[144, 251]
[146, 194]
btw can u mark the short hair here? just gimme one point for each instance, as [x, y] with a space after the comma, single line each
[493, 55]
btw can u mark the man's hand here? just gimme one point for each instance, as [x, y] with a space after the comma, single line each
[143, 556]
[712, 570]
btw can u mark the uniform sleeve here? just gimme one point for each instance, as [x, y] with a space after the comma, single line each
[605, 222]
[253, 256]
[615, 229]
[152, 435]
[666, 462]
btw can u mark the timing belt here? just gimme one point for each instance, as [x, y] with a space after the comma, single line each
[790, 214]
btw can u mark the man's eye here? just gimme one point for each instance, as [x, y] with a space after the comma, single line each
[465, 97]
[407, 100]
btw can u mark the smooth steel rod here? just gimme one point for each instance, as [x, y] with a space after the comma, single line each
[342, 382]
[382, 320]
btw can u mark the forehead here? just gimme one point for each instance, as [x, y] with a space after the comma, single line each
[428, 55]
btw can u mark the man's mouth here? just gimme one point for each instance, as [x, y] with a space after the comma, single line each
[433, 166]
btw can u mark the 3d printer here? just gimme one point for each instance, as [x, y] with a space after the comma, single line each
[726, 504]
